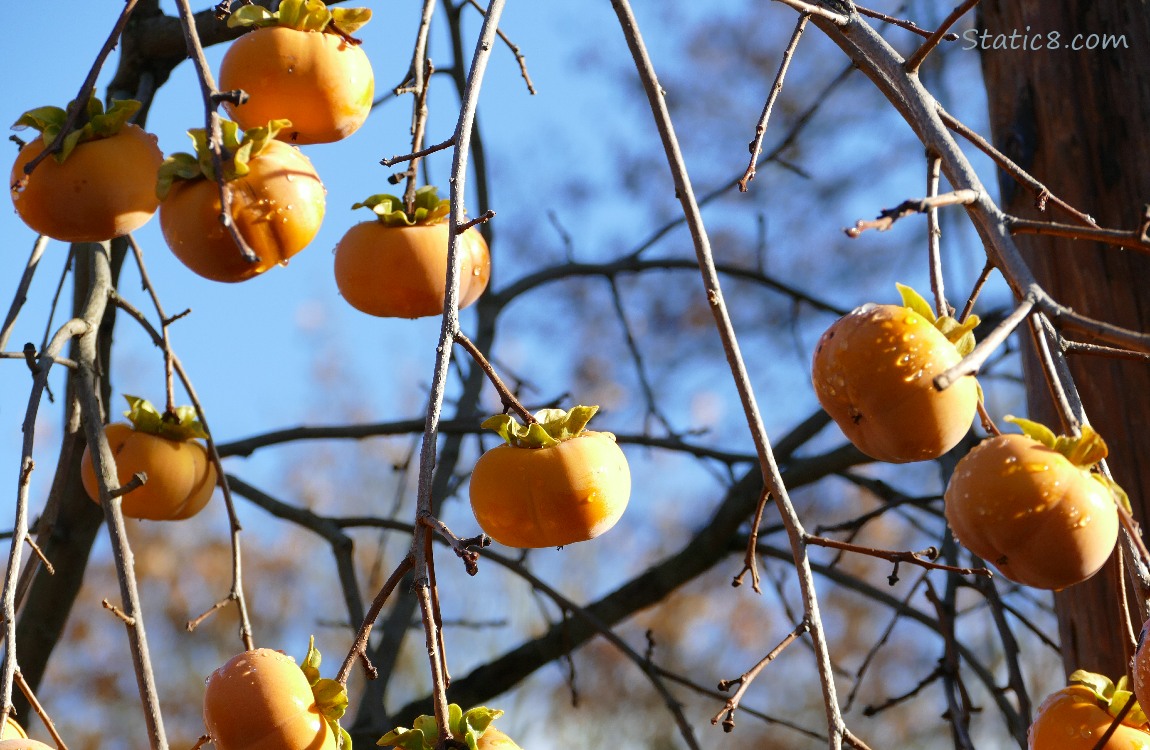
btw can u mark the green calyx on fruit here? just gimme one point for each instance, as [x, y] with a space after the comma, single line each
[1112, 697]
[181, 424]
[330, 696]
[466, 726]
[302, 15]
[551, 427]
[959, 334]
[1084, 451]
[97, 123]
[429, 208]
[184, 166]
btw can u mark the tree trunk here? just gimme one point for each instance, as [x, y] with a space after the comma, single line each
[1076, 120]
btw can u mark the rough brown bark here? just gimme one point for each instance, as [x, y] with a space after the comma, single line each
[1076, 119]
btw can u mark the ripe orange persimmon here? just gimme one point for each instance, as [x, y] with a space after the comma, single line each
[472, 728]
[24, 744]
[296, 66]
[180, 475]
[1076, 717]
[873, 372]
[1029, 505]
[101, 188]
[552, 484]
[263, 700]
[396, 266]
[277, 203]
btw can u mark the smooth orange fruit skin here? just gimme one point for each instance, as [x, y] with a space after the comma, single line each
[260, 700]
[24, 744]
[401, 272]
[320, 82]
[1024, 508]
[103, 190]
[550, 497]
[1071, 719]
[278, 208]
[873, 372]
[181, 477]
[12, 730]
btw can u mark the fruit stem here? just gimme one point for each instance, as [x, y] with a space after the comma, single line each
[506, 397]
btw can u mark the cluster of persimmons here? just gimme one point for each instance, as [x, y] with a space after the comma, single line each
[1030, 504]
[305, 81]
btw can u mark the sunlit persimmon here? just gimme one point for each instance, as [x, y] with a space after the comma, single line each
[472, 728]
[277, 204]
[873, 372]
[1076, 717]
[24, 744]
[180, 475]
[401, 272]
[396, 265]
[261, 700]
[1032, 508]
[105, 186]
[297, 66]
[552, 484]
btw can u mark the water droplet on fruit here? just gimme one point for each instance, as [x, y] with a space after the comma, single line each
[291, 178]
[291, 69]
[284, 262]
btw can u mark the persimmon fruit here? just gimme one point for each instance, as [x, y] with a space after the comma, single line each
[319, 79]
[873, 372]
[277, 204]
[1029, 505]
[180, 475]
[261, 700]
[102, 189]
[1076, 717]
[553, 483]
[396, 265]
[24, 744]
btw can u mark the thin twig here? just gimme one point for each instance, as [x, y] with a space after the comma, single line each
[910, 26]
[79, 105]
[214, 130]
[1043, 196]
[420, 545]
[889, 216]
[916, 60]
[934, 236]
[519, 57]
[21, 295]
[359, 647]
[418, 154]
[756, 144]
[970, 364]
[924, 558]
[772, 478]
[1132, 239]
[506, 397]
[727, 714]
